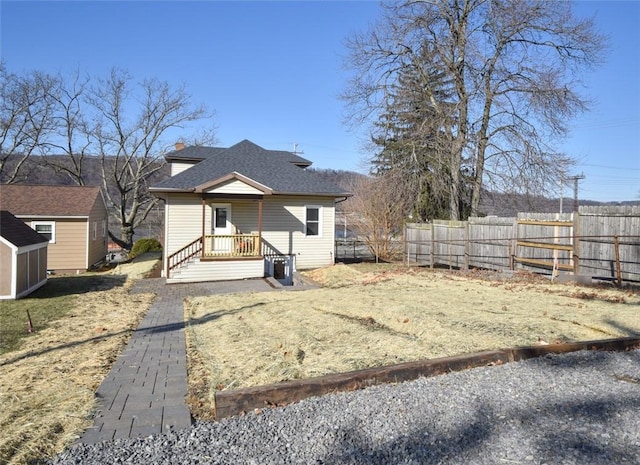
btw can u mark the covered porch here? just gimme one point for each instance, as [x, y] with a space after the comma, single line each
[221, 239]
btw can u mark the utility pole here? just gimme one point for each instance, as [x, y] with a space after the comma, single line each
[561, 193]
[575, 180]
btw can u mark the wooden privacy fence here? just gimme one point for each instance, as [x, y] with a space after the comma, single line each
[602, 242]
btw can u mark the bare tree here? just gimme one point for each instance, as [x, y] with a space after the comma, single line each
[132, 123]
[514, 68]
[377, 211]
[25, 119]
[72, 142]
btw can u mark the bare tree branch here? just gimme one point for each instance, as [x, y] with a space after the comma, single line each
[131, 124]
[515, 71]
[25, 119]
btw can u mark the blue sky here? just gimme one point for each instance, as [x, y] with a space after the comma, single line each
[272, 71]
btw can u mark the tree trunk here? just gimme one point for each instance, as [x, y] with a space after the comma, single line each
[126, 235]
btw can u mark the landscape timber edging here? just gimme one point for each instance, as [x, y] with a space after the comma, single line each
[239, 401]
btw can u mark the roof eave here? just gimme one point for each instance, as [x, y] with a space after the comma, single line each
[172, 190]
[50, 217]
[316, 194]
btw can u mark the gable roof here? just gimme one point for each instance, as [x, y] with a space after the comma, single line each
[48, 201]
[278, 171]
[17, 232]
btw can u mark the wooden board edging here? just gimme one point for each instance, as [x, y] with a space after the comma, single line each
[517, 354]
[239, 401]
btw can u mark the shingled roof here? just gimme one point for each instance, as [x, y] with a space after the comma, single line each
[199, 153]
[278, 171]
[17, 232]
[49, 201]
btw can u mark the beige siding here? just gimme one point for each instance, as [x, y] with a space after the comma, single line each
[282, 225]
[97, 247]
[43, 263]
[220, 271]
[30, 272]
[6, 271]
[283, 229]
[34, 265]
[69, 250]
[184, 221]
[235, 187]
[244, 216]
[178, 167]
[22, 277]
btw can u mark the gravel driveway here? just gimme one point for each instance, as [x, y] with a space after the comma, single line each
[581, 408]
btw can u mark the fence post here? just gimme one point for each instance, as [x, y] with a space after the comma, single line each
[449, 244]
[466, 245]
[513, 247]
[616, 245]
[431, 256]
[576, 243]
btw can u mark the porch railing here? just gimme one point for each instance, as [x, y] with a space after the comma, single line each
[216, 246]
[231, 245]
[183, 255]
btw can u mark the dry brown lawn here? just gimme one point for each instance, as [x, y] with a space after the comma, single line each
[47, 385]
[366, 316]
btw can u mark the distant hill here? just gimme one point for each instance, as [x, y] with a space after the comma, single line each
[507, 205]
[492, 203]
[36, 170]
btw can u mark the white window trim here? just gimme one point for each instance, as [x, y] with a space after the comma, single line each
[229, 208]
[50, 223]
[306, 208]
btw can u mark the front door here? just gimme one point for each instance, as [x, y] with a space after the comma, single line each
[221, 226]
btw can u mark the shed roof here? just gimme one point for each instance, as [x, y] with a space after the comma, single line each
[52, 201]
[279, 171]
[17, 232]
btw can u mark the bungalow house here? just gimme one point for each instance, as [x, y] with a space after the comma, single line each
[244, 212]
[23, 258]
[74, 218]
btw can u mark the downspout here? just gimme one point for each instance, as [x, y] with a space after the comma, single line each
[260, 226]
[202, 237]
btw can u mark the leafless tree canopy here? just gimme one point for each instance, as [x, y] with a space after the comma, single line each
[26, 119]
[495, 81]
[123, 124]
[130, 123]
[377, 210]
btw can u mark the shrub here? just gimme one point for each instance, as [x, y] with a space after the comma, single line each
[144, 245]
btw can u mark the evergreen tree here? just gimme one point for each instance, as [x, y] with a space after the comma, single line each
[413, 135]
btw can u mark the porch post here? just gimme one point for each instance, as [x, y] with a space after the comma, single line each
[260, 226]
[204, 204]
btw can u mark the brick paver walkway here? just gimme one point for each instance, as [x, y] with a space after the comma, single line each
[144, 393]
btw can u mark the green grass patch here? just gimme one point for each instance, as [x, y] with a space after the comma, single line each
[49, 303]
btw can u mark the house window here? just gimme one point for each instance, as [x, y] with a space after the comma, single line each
[95, 230]
[220, 218]
[104, 228]
[313, 225]
[46, 228]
